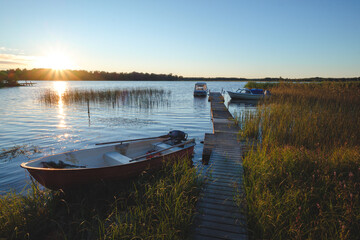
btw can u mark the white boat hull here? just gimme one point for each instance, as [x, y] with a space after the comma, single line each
[245, 96]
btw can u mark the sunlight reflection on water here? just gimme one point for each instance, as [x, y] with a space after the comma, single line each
[67, 127]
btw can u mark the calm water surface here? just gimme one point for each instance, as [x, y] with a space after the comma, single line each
[54, 129]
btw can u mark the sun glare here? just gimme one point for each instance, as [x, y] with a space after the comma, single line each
[60, 88]
[56, 61]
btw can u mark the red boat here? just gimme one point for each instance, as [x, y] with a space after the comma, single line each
[121, 160]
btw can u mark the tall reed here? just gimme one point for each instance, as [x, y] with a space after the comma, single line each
[262, 85]
[303, 178]
[144, 98]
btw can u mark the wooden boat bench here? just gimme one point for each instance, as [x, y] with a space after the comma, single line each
[115, 158]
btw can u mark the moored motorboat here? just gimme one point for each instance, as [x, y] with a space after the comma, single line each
[122, 160]
[200, 89]
[248, 94]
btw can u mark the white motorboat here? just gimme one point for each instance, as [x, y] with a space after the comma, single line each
[200, 89]
[248, 94]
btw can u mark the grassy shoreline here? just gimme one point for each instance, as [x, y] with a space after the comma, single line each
[154, 206]
[302, 180]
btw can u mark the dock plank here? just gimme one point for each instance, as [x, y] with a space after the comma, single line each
[221, 203]
[220, 190]
[220, 234]
[221, 220]
[220, 226]
[218, 215]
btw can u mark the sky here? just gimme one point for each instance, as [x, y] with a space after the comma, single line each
[198, 38]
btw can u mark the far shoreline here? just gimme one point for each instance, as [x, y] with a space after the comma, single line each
[208, 80]
[46, 74]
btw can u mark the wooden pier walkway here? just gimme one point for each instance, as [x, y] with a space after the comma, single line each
[218, 215]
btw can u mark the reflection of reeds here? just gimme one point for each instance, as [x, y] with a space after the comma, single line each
[145, 98]
[303, 180]
[13, 152]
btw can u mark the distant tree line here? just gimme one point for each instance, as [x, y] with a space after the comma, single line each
[269, 79]
[49, 74]
[10, 77]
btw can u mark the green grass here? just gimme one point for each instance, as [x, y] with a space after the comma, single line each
[153, 206]
[302, 180]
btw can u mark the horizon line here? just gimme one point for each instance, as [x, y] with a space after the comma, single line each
[180, 76]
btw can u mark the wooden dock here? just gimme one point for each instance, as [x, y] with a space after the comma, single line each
[218, 214]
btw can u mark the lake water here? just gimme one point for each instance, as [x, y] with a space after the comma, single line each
[24, 120]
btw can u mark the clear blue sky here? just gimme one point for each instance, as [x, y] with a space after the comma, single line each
[253, 38]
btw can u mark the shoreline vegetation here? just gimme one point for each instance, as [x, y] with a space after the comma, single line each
[10, 77]
[142, 98]
[302, 178]
[156, 205]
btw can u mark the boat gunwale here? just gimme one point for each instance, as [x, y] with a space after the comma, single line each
[249, 93]
[24, 164]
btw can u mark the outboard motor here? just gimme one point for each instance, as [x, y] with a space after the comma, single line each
[267, 92]
[177, 136]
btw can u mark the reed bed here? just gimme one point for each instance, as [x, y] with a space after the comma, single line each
[262, 85]
[302, 179]
[143, 98]
[153, 206]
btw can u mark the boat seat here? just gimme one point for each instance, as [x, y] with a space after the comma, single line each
[161, 146]
[115, 158]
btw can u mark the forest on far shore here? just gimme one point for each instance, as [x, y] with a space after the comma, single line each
[11, 76]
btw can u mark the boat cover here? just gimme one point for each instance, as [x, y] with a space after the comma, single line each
[257, 91]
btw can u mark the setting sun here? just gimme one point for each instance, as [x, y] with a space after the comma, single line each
[56, 61]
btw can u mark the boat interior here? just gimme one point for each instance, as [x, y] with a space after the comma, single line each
[107, 156]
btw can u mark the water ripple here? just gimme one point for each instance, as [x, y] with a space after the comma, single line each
[23, 120]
